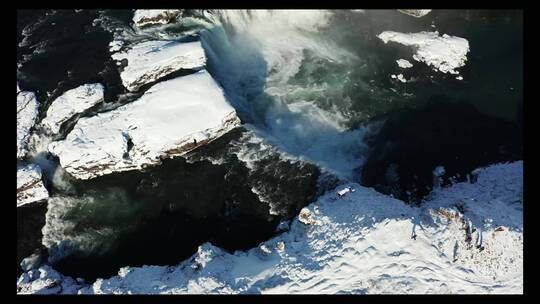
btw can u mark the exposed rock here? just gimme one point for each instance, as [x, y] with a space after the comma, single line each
[71, 103]
[147, 17]
[306, 217]
[27, 112]
[30, 187]
[170, 119]
[151, 60]
[445, 53]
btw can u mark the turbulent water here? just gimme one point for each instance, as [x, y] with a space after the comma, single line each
[317, 103]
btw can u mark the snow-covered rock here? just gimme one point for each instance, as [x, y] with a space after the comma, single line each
[366, 242]
[399, 77]
[445, 53]
[151, 60]
[306, 217]
[415, 12]
[71, 103]
[147, 17]
[27, 112]
[171, 118]
[404, 64]
[30, 187]
[45, 280]
[344, 191]
[115, 45]
[31, 262]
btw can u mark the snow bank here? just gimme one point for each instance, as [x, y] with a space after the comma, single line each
[45, 280]
[148, 61]
[445, 53]
[27, 112]
[364, 242]
[71, 103]
[30, 187]
[171, 118]
[147, 17]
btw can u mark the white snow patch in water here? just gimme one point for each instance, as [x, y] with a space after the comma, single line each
[445, 53]
[115, 45]
[399, 77]
[405, 64]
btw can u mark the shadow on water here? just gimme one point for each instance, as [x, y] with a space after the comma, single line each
[59, 50]
[161, 215]
[453, 134]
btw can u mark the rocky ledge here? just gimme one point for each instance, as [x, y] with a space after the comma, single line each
[71, 103]
[172, 118]
[27, 112]
[30, 187]
[148, 61]
[144, 18]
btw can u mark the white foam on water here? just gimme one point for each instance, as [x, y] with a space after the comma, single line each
[255, 59]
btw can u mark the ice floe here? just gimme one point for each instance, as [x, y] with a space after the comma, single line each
[445, 53]
[404, 64]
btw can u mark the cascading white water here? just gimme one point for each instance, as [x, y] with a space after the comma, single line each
[257, 56]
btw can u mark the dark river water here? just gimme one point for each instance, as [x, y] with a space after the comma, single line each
[314, 85]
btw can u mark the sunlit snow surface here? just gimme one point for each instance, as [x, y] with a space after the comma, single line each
[27, 112]
[30, 185]
[145, 17]
[171, 118]
[363, 242]
[150, 60]
[71, 103]
[445, 53]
